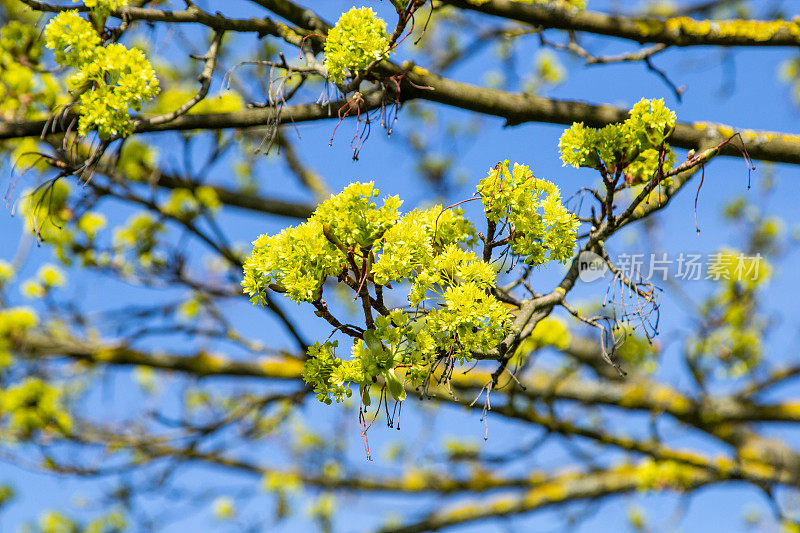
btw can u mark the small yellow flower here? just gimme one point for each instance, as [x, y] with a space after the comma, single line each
[51, 276]
[224, 508]
[6, 271]
[358, 39]
[32, 289]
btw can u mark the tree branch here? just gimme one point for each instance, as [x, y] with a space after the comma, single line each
[516, 108]
[677, 31]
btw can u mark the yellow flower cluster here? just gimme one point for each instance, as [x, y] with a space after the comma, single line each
[357, 39]
[112, 80]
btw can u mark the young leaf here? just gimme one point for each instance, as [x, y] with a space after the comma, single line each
[395, 386]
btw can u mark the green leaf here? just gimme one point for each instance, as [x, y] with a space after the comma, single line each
[363, 389]
[373, 341]
[396, 388]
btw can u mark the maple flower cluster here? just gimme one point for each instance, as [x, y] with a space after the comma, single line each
[543, 229]
[104, 7]
[451, 314]
[110, 80]
[357, 39]
[634, 145]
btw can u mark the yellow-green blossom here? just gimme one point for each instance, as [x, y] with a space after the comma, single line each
[357, 39]
[51, 276]
[90, 223]
[33, 405]
[32, 289]
[104, 7]
[542, 228]
[72, 39]
[224, 508]
[111, 80]
[6, 271]
[633, 145]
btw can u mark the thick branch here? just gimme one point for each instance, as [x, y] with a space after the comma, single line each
[678, 31]
[304, 18]
[251, 202]
[516, 108]
[195, 15]
[630, 394]
[557, 490]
